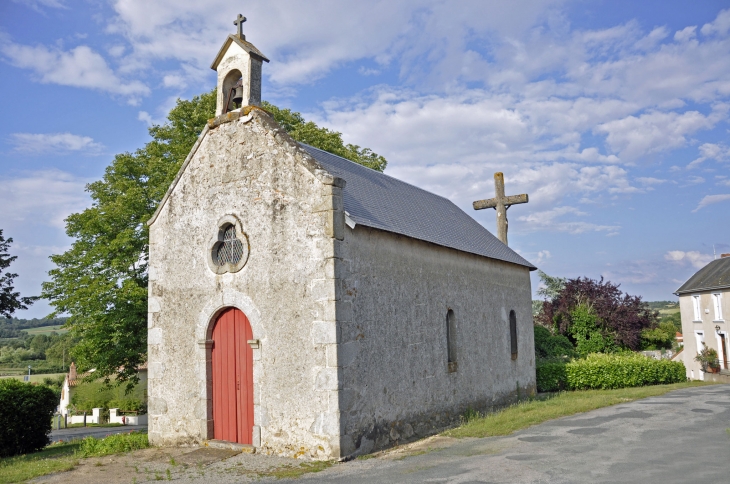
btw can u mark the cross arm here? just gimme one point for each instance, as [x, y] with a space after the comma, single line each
[482, 204]
[506, 201]
[515, 199]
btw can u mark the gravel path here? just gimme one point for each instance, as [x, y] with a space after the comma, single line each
[677, 437]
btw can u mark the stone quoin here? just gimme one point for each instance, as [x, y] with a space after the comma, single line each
[309, 306]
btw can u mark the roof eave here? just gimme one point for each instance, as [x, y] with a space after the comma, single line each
[230, 39]
[681, 291]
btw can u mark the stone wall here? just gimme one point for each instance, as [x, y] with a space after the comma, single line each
[291, 212]
[395, 294]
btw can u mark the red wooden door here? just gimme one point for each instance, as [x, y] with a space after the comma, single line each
[232, 361]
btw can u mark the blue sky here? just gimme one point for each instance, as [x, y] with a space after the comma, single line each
[611, 115]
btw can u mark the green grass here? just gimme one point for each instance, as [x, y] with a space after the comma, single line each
[293, 472]
[73, 426]
[547, 407]
[33, 378]
[113, 444]
[54, 458]
[65, 456]
[46, 330]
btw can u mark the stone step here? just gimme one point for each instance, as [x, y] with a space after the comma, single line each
[223, 444]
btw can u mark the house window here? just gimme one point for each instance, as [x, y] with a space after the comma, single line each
[696, 307]
[513, 333]
[700, 338]
[717, 303]
[451, 340]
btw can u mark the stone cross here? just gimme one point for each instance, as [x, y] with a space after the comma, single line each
[239, 23]
[501, 204]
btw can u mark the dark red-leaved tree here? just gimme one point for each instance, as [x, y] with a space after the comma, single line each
[622, 315]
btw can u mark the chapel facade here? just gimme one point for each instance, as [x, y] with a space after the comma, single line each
[307, 305]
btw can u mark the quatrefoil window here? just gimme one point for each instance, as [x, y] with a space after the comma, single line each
[229, 248]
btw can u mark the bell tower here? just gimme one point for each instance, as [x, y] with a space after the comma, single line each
[238, 65]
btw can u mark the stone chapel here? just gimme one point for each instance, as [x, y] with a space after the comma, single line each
[310, 306]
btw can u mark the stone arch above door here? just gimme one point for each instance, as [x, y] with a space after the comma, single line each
[225, 299]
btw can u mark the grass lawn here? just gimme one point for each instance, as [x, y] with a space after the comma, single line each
[556, 405]
[54, 458]
[33, 378]
[73, 426]
[46, 330]
[65, 456]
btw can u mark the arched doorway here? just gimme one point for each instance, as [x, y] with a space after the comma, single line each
[232, 372]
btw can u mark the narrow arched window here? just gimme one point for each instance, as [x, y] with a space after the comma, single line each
[451, 339]
[513, 333]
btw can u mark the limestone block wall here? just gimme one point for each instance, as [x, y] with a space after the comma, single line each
[291, 212]
[396, 291]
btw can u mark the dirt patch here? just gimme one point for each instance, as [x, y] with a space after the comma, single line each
[183, 465]
[429, 444]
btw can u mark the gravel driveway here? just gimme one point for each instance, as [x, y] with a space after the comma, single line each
[678, 437]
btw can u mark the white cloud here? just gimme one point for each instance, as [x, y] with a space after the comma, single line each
[548, 220]
[78, 67]
[719, 26]
[711, 151]
[711, 199]
[542, 256]
[686, 34]
[651, 181]
[695, 258]
[63, 194]
[38, 5]
[58, 143]
[633, 137]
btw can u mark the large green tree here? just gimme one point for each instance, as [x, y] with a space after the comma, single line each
[101, 282]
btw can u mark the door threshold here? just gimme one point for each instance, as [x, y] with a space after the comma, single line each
[224, 444]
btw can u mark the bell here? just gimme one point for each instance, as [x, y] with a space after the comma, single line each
[238, 92]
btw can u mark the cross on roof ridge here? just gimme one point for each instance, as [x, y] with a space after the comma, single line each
[239, 23]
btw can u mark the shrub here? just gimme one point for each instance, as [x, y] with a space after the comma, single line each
[622, 370]
[112, 444]
[25, 416]
[551, 376]
[708, 358]
[549, 345]
[588, 336]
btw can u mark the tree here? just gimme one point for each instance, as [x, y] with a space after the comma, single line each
[551, 286]
[101, 282]
[10, 301]
[309, 133]
[617, 315]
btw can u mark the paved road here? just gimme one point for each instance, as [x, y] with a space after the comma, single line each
[81, 432]
[678, 437]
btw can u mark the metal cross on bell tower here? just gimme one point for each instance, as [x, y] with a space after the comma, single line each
[239, 23]
[500, 203]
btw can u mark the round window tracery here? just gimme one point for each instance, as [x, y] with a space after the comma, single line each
[229, 247]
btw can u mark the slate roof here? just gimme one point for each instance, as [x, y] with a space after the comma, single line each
[382, 202]
[715, 275]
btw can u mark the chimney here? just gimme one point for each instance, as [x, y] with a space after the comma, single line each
[722, 256]
[72, 372]
[238, 65]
